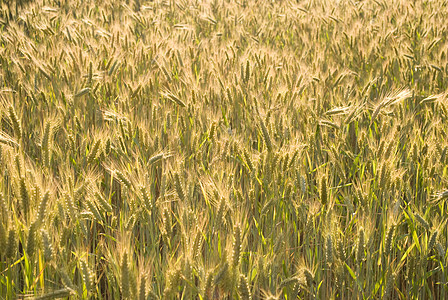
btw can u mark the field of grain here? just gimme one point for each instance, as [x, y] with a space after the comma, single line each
[223, 149]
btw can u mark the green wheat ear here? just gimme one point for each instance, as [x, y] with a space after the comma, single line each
[61, 293]
[389, 240]
[440, 251]
[93, 209]
[208, 286]
[188, 275]
[142, 288]
[87, 276]
[31, 241]
[93, 153]
[24, 196]
[146, 198]
[66, 280]
[389, 286]
[42, 209]
[432, 240]
[18, 164]
[329, 250]
[108, 146]
[172, 283]
[221, 275]
[123, 179]
[341, 250]
[323, 190]
[15, 121]
[247, 75]
[266, 136]
[361, 246]
[179, 188]
[212, 133]
[243, 288]
[4, 210]
[295, 290]
[104, 204]
[125, 283]
[11, 246]
[45, 146]
[309, 277]
[236, 249]
[422, 221]
[3, 239]
[220, 215]
[166, 220]
[48, 248]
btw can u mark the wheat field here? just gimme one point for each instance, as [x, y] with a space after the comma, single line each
[223, 149]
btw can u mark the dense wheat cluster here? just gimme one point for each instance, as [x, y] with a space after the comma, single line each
[223, 149]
